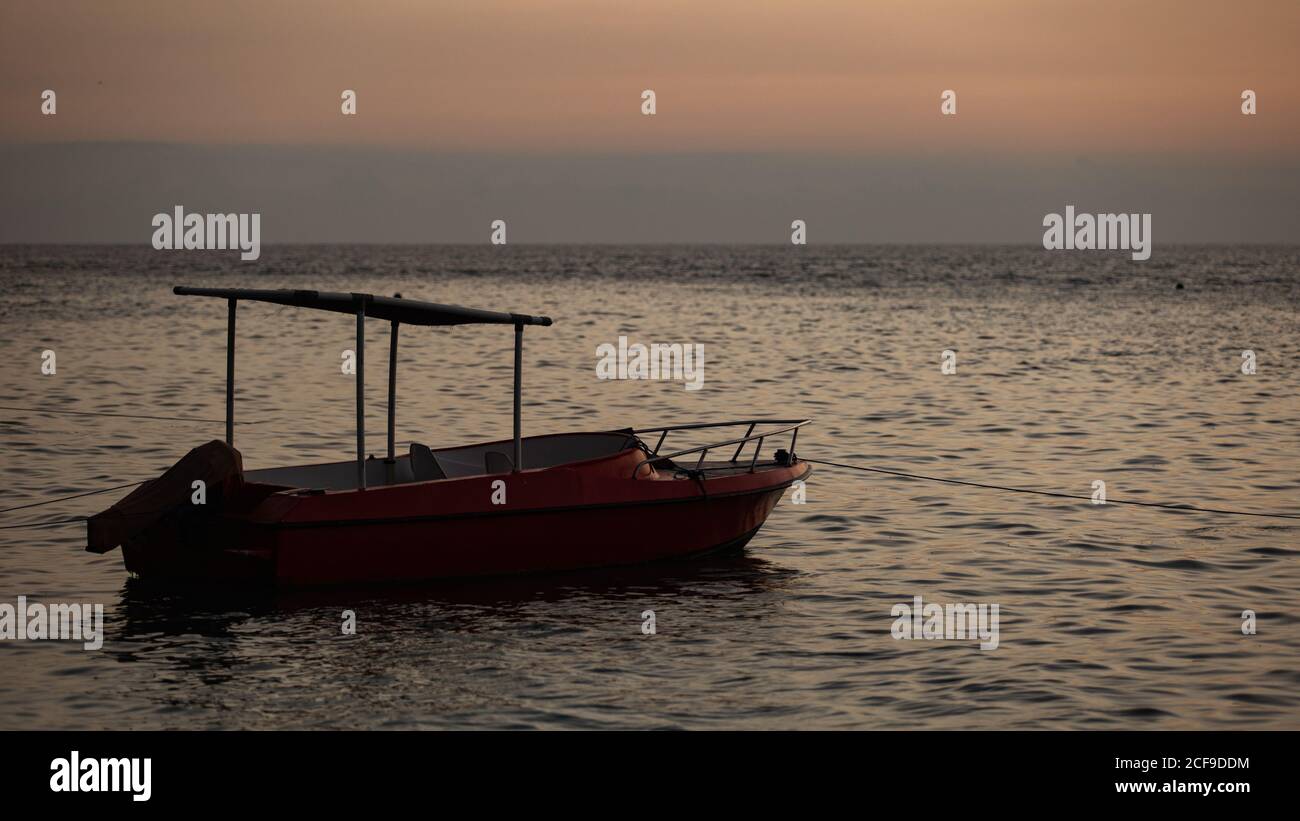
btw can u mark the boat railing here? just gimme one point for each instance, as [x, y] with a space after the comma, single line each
[790, 426]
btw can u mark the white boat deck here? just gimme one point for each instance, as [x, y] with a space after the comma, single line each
[448, 463]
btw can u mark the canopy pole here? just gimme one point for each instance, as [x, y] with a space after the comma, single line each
[361, 393]
[230, 372]
[392, 391]
[519, 358]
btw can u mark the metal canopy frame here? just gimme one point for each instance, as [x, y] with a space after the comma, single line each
[396, 310]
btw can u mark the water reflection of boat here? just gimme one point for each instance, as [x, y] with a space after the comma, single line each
[541, 503]
[151, 609]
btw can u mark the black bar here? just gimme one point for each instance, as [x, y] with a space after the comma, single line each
[361, 394]
[741, 446]
[392, 391]
[1033, 770]
[230, 373]
[519, 373]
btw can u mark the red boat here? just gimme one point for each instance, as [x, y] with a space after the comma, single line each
[524, 505]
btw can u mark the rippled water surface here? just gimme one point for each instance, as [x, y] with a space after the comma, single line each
[1070, 368]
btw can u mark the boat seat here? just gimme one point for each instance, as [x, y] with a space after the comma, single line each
[424, 465]
[497, 462]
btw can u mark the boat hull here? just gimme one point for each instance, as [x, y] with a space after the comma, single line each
[325, 545]
[525, 542]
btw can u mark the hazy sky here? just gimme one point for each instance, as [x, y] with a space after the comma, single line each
[826, 110]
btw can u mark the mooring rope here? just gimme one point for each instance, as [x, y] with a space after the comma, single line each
[863, 468]
[74, 520]
[74, 496]
[1057, 494]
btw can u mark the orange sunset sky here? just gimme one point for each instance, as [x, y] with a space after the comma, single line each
[1038, 83]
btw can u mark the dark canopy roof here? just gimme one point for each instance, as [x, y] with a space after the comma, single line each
[406, 311]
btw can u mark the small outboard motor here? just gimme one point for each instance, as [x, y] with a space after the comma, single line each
[217, 464]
